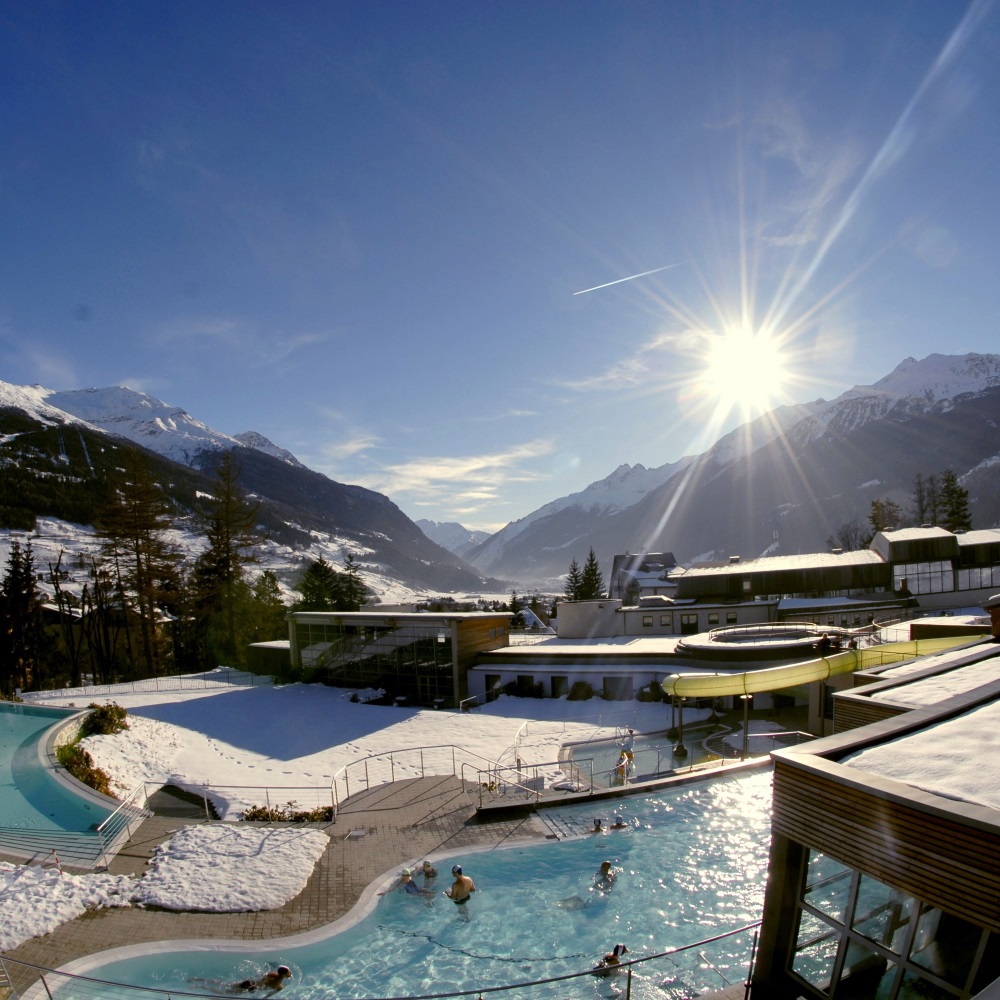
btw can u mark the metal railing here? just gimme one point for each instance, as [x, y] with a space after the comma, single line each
[392, 765]
[116, 830]
[683, 973]
[521, 783]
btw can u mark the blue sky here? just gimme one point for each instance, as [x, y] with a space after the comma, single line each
[365, 229]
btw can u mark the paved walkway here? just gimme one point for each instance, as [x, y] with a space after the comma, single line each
[375, 831]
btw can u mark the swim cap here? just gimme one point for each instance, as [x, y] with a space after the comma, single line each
[456, 870]
[284, 970]
[406, 871]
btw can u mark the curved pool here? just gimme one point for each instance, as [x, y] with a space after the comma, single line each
[691, 863]
[31, 797]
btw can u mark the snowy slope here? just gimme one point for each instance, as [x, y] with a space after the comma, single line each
[168, 430]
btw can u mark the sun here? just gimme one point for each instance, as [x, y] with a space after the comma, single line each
[745, 370]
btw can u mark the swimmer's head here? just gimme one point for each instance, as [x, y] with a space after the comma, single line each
[605, 866]
[456, 870]
[620, 949]
[406, 872]
[283, 970]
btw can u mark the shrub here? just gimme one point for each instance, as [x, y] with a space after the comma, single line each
[651, 692]
[80, 764]
[288, 814]
[103, 720]
[580, 691]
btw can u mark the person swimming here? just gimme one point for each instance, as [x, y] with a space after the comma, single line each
[606, 876]
[607, 965]
[271, 981]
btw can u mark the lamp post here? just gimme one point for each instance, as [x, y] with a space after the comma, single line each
[746, 699]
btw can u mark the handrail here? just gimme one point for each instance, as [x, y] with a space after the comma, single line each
[392, 755]
[120, 821]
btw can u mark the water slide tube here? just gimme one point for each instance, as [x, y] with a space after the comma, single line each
[704, 685]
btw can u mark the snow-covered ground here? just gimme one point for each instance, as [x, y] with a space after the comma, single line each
[241, 741]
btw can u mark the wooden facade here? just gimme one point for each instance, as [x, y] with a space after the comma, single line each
[942, 852]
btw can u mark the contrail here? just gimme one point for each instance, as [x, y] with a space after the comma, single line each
[631, 277]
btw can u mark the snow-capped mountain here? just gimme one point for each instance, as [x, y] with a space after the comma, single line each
[58, 448]
[785, 482]
[146, 420]
[451, 535]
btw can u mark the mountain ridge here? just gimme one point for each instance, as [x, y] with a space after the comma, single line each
[869, 436]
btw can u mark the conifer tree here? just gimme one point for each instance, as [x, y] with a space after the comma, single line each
[574, 582]
[268, 609]
[353, 592]
[591, 581]
[22, 634]
[133, 525]
[885, 514]
[220, 573]
[955, 514]
[320, 587]
[516, 608]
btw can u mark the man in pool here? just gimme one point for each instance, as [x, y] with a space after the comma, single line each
[270, 981]
[461, 890]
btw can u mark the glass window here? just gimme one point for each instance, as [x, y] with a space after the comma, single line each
[866, 974]
[730, 617]
[882, 914]
[665, 621]
[815, 951]
[915, 987]
[945, 945]
[647, 621]
[828, 884]
[713, 618]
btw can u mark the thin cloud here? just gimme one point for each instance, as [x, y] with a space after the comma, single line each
[638, 368]
[350, 447]
[487, 474]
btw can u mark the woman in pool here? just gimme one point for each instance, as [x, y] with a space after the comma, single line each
[270, 981]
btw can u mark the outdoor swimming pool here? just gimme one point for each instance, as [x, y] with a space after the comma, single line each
[692, 863]
[32, 798]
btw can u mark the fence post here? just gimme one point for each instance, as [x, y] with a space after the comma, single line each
[421, 762]
[392, 769]
[48, 992]
[208, 813]
[453, 771]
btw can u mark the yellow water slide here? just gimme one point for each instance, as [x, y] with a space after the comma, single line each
[703, 685]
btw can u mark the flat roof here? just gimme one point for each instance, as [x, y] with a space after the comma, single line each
[771, 564]
[957, 758]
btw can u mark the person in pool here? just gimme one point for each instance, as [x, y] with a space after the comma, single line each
[606, 876]
[461, 889]
[410, 887]
[606, 966]
[271, 981]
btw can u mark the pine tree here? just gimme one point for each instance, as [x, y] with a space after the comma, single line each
[320, 587]
[516, 608]
[574, 582]
[591, 581]
[955, 514]
[133, 525]
[885, 514]
[919, 496]
[268, 609]
[22, 633]
[222, 591]
[353, 592]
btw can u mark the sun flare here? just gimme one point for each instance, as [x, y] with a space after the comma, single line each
[745, 370]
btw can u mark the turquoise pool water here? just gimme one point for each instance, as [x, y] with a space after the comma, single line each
[30, 797]
[692, 863]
